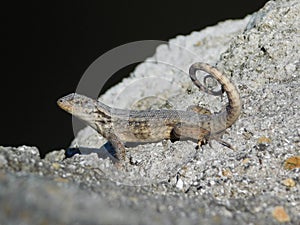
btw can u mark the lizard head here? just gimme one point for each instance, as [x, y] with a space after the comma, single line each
[79, 106]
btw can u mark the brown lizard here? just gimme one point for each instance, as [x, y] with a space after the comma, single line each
[121, 125]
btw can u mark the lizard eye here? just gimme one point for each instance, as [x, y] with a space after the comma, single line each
[59, 101]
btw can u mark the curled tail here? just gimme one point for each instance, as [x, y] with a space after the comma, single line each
[233, 108]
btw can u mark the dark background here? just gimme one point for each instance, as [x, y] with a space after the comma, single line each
[48, 46]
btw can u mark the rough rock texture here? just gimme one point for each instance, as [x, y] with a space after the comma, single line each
[173, 183]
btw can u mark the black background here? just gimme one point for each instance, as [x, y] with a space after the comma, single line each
[48, 46]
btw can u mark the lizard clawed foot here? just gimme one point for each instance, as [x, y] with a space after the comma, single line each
[202, 142]
[218, 139]
[222, 142]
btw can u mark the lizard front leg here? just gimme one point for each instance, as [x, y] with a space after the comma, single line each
[118, 146]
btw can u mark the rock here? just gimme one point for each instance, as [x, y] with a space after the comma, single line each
[172, 183]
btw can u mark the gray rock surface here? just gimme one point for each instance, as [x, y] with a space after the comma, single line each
[174, 183]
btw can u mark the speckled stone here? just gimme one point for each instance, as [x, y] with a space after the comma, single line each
[173, 183]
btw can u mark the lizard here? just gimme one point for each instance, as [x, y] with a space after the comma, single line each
[120, 126]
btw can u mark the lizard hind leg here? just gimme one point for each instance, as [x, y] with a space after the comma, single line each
[203, 111]
[196, 133]
[199, 109]
[203, 140]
